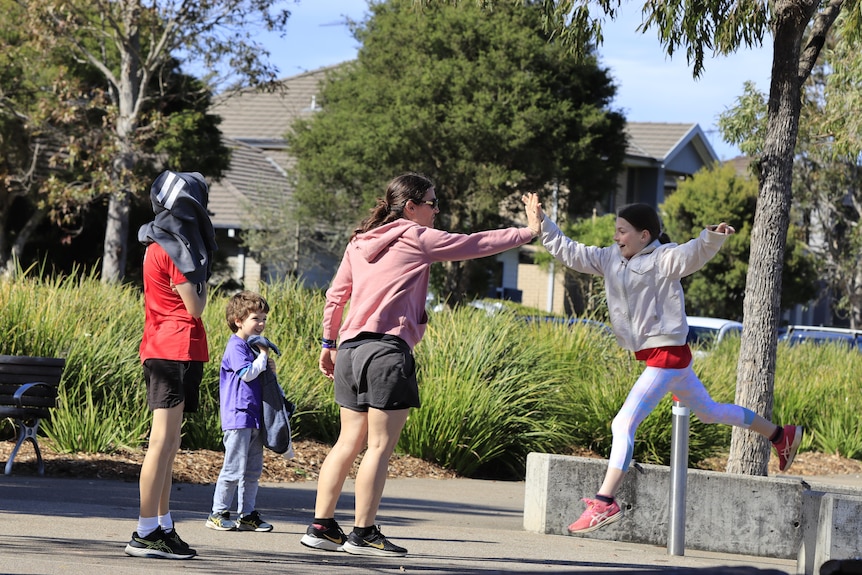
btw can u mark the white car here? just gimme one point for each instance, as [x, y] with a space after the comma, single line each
[706, 331]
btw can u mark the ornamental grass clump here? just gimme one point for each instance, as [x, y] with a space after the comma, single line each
[494, 387]
[488, 395]
[818, 385]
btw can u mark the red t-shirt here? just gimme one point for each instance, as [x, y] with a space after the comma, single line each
[671, 357]
[170, 332]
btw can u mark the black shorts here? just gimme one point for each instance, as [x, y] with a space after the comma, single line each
[171, 382]
[378, 372]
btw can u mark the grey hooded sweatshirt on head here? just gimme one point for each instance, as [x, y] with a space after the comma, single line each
[182, 224]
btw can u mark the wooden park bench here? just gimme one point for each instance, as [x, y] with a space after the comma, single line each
[28, 390]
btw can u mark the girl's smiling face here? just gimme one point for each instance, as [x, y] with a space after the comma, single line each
[630, 240]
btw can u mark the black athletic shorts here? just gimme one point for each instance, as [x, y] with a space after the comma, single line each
[376, 371]
[171, 382]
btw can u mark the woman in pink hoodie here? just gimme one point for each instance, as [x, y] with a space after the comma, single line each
[384, 275]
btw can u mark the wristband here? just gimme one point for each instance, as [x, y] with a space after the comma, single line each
[327, 343]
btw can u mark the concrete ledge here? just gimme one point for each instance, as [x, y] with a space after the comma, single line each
[836, 533]
[759, 516]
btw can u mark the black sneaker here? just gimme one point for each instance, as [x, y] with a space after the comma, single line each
[252, 522]
[325, 538]
[373, 544]
[178, 543]
[159, 545]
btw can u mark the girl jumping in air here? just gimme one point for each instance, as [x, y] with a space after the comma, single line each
[642, 272]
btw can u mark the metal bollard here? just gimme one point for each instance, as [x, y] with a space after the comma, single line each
[678, 474]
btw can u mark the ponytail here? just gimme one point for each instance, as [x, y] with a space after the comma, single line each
[400, 190]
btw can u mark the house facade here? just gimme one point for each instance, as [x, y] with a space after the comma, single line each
[253, 126]
[254, 123]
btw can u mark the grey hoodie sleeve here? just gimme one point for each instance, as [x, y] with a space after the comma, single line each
[685, 259]
[579, 257]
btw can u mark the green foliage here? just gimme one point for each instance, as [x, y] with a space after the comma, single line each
[479, 412]
[62, 120]
[110, 106]
[818, 386]
[745, 123]
[719, 194]
[586, 292]
[493, 387]
[486, 104]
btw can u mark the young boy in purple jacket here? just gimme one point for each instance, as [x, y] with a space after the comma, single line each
[240, 402]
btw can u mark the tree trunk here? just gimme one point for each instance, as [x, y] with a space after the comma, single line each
[11, 261]
[749, 452]
[116, 238]
[128, 104]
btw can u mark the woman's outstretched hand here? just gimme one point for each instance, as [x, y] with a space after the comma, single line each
[534, 213]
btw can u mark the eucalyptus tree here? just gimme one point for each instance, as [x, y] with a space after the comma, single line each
[827, 196]
[700, 28]
[58, 138]
[133, 45]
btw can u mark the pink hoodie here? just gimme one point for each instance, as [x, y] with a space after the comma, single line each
[384, 275]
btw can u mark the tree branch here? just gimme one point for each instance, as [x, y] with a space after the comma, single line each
[822, 23]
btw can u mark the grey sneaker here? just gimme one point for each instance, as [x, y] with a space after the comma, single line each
[221, 522]
[252, 522]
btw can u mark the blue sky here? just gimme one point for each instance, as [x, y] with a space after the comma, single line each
[650, 86]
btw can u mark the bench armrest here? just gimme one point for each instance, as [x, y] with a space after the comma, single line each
[19, 393]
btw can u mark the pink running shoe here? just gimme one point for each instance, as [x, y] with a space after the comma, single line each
[598, 514]
[788, 444]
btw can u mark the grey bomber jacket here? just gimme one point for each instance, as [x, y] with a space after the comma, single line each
[645, 298]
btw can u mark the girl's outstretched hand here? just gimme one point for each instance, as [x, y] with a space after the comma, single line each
[722, 228]
[534, 213]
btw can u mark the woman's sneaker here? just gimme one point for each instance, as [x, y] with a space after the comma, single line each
[597, 515]
[372, 544]
[252, 522]
[178, 543]
[221, 521]
[325, 538]
[158, 544]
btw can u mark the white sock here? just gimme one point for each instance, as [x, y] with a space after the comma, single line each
[147, 525]
[165, 522]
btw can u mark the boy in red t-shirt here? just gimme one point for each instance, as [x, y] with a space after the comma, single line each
[174, 345]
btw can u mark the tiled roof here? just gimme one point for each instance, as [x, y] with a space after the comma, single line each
[253, 126]
[656, 140]
[267, 116]
[254, 181]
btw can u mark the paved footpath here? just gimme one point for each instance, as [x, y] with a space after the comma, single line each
[53, 526]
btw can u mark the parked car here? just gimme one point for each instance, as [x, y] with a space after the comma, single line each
[707, 331]
[812, 334]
